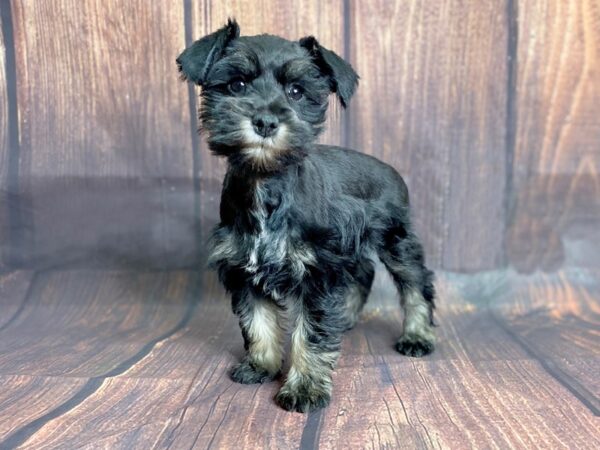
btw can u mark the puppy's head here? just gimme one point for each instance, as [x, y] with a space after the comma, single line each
[264, 98]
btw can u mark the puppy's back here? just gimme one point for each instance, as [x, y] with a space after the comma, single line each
[360, 175]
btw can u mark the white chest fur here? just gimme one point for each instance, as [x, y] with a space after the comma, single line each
[266, 251]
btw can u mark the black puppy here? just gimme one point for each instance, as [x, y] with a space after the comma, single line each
[300, 222]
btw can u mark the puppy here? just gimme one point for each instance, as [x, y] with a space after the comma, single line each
[300, 222]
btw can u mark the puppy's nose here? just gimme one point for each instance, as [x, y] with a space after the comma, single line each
[265, 124]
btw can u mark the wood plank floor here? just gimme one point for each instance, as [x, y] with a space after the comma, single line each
[138, 360]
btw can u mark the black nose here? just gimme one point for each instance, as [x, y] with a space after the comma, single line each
[265, 124]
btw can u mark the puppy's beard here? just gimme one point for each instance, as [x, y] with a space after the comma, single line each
[263, 153]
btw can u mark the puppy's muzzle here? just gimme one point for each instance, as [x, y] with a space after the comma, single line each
[265, 124]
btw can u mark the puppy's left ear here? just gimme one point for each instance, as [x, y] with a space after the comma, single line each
[343, 80]
[196, 60]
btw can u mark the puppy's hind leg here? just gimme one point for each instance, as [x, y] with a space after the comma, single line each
[403, 256]
[359, 292]
[261, 322]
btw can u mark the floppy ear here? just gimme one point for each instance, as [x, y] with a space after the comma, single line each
[196, 60]
[342, 77]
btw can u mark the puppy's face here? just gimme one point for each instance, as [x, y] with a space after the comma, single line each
[264, 98]
[263, 101]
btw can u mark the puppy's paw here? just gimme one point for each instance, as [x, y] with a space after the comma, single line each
[413, 345]
[247, 373]
[302, 399]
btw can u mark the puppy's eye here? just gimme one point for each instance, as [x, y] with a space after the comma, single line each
[237, 86]
[295, 92]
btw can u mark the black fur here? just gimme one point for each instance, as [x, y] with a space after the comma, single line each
[300, 222]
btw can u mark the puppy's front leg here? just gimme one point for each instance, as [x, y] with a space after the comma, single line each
[261, 324]
[315, 349]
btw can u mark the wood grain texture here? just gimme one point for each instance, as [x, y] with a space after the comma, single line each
[103, 116]
[555, 196]
[489, 111]
[556, 320]
[121, 413]
[100, 324]
[481, 388]
[480, 350]
[25, 399]
[14, 291]
[289, 19]
[95, 321]
[432, 102]
[454, 404]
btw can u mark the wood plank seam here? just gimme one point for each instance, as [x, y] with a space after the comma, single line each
[195, 138]
[16, 211]
[347, 40]
[22, 434]
[581, 393]
[312, 431]
[512, 115]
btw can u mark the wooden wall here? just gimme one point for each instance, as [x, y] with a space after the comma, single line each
[490, 109]
[555, 187]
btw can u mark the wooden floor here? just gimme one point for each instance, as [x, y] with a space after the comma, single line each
[139, 360]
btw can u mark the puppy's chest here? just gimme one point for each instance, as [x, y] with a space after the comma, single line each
[268, 246]
[266, 249]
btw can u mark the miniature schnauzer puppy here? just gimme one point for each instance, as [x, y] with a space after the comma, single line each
[300, 222]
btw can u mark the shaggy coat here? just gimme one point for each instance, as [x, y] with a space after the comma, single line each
[300, 223]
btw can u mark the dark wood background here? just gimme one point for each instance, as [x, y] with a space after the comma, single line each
[490, 109]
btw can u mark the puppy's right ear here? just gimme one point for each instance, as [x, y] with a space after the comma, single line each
[342, 77]
[196, 60]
